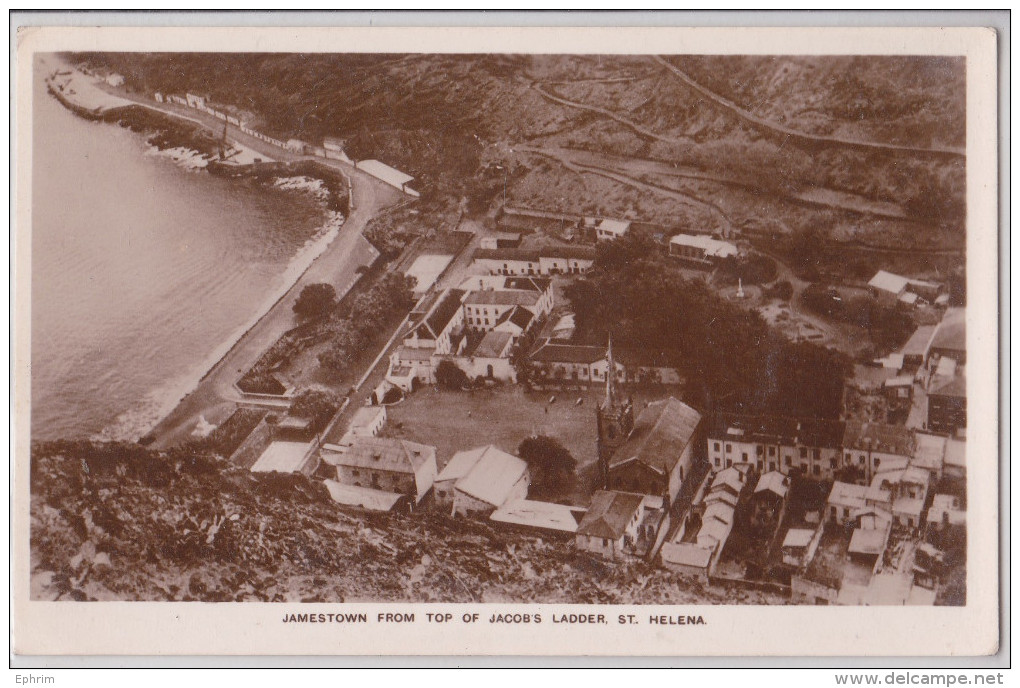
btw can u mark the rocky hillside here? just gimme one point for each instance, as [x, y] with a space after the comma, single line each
[120, 522]
[865, 151]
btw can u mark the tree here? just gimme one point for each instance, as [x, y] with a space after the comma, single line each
[450, 376]
[550, 463]
[315, 301]
[318, 405]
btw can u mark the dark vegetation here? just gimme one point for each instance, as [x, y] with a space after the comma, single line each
[551, 466]
[731, 357]
[450, 376]
[317, 405]
[349, 332]
[229, 434]
[888, 326]
[315, 301]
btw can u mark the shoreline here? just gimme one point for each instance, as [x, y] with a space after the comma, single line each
[142, 420]
[167, 397]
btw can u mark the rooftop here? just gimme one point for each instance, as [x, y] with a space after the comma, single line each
[493, 476]
[868, 541]
[878, 437]
[383, 171]
[774, 482]
[957, 387]
[503, 297]
[847, 494]
[492, 345]
[518, 315]
[526, 512]
[282, 457]
[686, 554]
[609, 514]
[887, 281]
[661, 433]
[712, 247]
[568, 353]
[387, 454]
[533, 255]
[798, 537]
[920, 341]
[952, 331]
[441, 315]
[364, 497]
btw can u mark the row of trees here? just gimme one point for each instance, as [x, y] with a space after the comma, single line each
[349, 334]
[730, 356]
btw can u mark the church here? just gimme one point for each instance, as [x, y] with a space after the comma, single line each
[651, 454]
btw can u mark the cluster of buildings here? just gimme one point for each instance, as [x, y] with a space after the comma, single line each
[892, 289]
[929, 373]
[476, 326]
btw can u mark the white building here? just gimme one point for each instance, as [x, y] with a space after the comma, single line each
[701, 248]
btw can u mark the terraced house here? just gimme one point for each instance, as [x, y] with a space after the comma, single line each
[809, 446]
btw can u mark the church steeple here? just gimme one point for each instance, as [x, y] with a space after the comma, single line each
[613, 420]
[610, 377]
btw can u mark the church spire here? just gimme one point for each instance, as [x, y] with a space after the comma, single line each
[610, 376]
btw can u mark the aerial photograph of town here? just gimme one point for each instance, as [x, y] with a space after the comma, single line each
[498, 328]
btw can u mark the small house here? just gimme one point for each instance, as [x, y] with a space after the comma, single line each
[611, 528]
[388, 464]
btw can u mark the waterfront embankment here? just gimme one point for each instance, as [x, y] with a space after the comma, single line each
[335, 258]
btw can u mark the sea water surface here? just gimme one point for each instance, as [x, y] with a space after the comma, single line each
[140, 271]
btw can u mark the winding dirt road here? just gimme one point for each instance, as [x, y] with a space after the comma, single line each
[772, 127]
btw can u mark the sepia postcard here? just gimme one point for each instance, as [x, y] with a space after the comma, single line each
[490, 341]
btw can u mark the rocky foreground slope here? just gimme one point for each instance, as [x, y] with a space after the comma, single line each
[119, 522]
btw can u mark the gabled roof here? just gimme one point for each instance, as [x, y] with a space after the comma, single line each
[568, 353]
[492, 345]
[502, 297]
[729, 476]
[387, 454]
[441, 315]
[460, 463]
[609, 514]
[518, 315]
[661, 434]
[774, 482]
[493, 476]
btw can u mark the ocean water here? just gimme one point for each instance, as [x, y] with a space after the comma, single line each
[141, 271]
